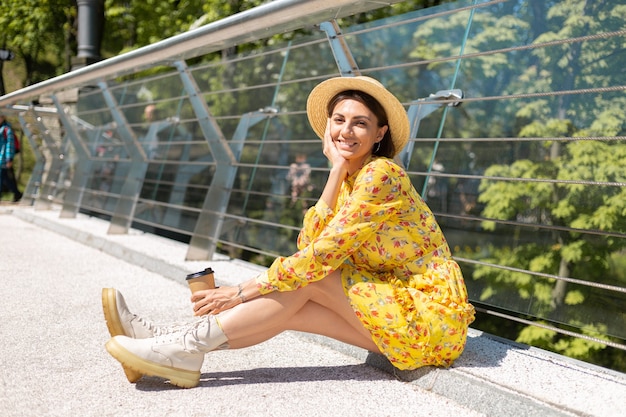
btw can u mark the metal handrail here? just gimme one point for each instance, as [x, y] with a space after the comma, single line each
[258, 23]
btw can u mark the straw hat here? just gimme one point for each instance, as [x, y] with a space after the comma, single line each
[319, 97]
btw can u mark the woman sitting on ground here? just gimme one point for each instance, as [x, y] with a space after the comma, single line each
[373, 268]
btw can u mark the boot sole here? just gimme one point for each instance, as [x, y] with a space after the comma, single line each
[180, 377]
[114, 324]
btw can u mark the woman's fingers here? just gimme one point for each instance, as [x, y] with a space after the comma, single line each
[214, 301]
[329, 147]
[327, 140]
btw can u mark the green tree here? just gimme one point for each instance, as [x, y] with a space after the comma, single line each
[570, 206]
[131, 24]
[41, 34]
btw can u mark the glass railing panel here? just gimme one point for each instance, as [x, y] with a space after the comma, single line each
[175, 222]
[307, 56]
[526, 176]
[423, 57]
[555, 193]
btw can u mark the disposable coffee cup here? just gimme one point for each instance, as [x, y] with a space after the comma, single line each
[203, 280]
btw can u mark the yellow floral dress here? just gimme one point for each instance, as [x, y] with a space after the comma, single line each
[395, 263]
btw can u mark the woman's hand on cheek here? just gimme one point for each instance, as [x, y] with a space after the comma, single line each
[330, 148]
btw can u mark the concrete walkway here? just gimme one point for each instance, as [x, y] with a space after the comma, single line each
[53, 361]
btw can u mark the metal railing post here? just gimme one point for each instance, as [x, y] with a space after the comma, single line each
[84, 166]
[206, 232]
[341, 51]
[34, 183]
[211, 219]
[420, 109]
[53, 176]
[129, 194]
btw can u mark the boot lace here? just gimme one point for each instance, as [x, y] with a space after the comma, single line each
[151, 327]
[162, 330]
[169, 334]
[158, 329]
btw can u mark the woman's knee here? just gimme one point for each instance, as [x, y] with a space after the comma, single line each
[329, 284]
[329, 291]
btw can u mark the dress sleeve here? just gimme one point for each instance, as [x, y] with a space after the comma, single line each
[315, 220]
[327, 240]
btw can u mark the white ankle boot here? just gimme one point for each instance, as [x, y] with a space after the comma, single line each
[119, 319]
[176, 355]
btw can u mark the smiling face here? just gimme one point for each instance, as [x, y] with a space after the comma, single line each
[354, 129]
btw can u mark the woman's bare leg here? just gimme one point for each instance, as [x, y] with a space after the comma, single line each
[321, 308]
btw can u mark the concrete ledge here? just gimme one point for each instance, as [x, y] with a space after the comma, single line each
[499, 377]
[493, 376]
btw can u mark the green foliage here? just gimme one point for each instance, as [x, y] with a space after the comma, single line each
[42, 33]
[136, 23]
[512, 287]
[506, 199]
[617, 265]
[39, 32]
[536, 336]
[570, 203]
[572, 347]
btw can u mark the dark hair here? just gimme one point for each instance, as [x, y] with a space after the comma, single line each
[386, 144]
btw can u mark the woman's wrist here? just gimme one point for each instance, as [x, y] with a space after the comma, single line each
[240, 293]
[330, 193]
[246, 291]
